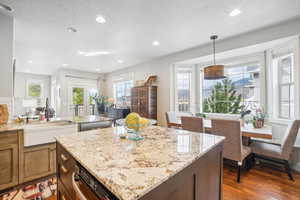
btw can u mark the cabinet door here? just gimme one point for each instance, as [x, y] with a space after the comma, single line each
[143, 102]
[8, 166]
[135, 100]
[37, 162]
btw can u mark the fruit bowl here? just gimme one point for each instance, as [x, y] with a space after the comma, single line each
[134, 124]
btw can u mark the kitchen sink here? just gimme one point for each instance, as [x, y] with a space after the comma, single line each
[45, 132]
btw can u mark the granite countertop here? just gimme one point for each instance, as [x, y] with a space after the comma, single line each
[12, 126]
[130, 169]
[88, 119]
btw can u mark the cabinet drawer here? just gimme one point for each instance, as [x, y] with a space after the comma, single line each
[62, 155]
[8, 138]
[62, 194]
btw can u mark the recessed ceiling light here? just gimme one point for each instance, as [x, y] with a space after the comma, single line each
[71, 30]
[235, 12]
[155, 43]
[120, 61]
[100, 19]
[29, 61]
[6, 7]
[94, 53]
[65, 65]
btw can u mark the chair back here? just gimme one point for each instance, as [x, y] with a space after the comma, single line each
[192, 124]
[289, 139]
[231, 129]
[173, 117]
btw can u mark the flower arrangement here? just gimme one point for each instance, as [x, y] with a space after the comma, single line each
[101, 102]
[258, 119]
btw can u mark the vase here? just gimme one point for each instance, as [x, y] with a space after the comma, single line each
[3, 114]
[259, 123]
[101, 108]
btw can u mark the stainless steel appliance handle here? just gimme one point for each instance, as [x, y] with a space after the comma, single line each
[76, 189]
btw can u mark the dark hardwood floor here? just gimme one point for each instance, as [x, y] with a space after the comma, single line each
[260, 183]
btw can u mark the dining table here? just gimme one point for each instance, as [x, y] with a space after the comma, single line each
[248, 131]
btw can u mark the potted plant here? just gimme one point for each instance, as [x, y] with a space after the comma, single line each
[258, 120]
[101, 102]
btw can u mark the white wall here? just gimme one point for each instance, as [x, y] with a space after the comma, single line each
[162, 66]
[20, 89]
[61, 82]
[6, 59]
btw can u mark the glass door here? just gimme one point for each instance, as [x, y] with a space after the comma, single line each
[82, 101]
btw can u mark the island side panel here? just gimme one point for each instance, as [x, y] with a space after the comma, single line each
[202, 180]
[65, 169]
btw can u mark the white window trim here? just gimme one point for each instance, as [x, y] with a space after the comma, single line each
[192, 87]
[272, 91]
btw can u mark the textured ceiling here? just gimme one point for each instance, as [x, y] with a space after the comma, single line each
[132, 26]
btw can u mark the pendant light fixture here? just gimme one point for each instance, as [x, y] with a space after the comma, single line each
[214, 71]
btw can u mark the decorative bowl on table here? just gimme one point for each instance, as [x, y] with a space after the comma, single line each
[134, 124]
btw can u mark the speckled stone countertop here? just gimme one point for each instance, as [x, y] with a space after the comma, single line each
[12, 126]
[88, 119]
[131, 169]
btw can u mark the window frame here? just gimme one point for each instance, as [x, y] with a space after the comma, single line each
[236, 62]
[282, 51]
[192, 70]
[125, 82]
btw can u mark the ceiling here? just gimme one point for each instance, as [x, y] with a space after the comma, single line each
[43, 44]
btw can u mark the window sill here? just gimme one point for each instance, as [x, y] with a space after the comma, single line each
[280, 121]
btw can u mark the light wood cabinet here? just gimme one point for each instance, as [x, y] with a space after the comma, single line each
[9, 160]
[37, 162]
[19, 164]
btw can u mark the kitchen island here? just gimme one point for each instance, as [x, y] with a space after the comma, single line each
[167, 164]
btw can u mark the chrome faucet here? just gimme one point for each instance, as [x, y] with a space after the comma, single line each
[47, 110]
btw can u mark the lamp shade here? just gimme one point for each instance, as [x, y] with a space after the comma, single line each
[214, 72]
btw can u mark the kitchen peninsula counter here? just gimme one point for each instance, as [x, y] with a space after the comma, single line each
[167, 164]
[13, 126]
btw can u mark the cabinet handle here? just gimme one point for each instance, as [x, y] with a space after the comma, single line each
[64, 169]
[63, 157]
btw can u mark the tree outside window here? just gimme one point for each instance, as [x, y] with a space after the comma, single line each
[78, 96]
[239, 90]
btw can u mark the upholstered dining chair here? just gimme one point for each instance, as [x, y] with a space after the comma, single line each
[281, 153]
[233, 147]
[174, 118]
[192, 124]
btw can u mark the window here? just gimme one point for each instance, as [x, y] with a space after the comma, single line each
[283, 66]
[122, 92]
[34, 89]
[239, 90]
[92, 92]
[183, 89]
[78, 96]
